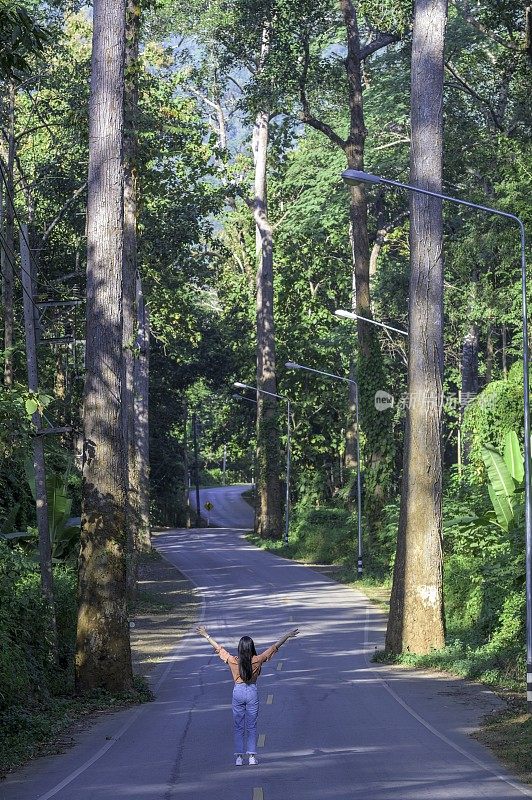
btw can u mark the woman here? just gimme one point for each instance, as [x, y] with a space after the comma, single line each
[245, 670]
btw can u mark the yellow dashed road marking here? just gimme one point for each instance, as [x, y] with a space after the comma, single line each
[258, 794]
[279, 666]
[262, 739]
[269, 700]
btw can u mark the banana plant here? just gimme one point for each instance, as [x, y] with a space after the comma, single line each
[506, 475]
[506, 484]
[64, 537]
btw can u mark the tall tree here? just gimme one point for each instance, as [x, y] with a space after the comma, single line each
[416, 621]
[368, 361]
[268, 504]
[8, 248]
[141, 419]
[129, 288]
[103, 657]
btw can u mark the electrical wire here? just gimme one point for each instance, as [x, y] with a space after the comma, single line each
[13, 266]
[46, 284]
[20, 223]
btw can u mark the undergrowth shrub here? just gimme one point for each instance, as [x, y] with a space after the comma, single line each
[325, 535]
[28, 674]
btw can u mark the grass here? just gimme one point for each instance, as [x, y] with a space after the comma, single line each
[43, 729]
[508, 734]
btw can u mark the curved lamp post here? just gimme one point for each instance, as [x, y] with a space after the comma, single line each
[294, 365]
[350, 315]
[287, 401]
[236, 396]
[356, 177]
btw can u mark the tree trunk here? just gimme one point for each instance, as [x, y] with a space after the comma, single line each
[469, 371]
[416, 622]
[490, 354]
[103, 657]
[142, 437]
[268, 516]
[41, 499]
[504, 350]
[8, 253]
[129, 286]
[374, 423]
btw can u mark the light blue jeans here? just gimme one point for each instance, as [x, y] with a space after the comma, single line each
[245, 713]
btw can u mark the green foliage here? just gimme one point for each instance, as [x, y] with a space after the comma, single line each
[497, 410]
[15, 446]
[64, 537]
[25, 633]
[21, 37]
[324, 536]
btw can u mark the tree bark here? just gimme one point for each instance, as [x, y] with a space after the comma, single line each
[129, 286]
[504, 350]
[268, 515]
[142, 437]
[490, 354]
[103, 657]
[416, 622]
[469, 375]
[8, 252]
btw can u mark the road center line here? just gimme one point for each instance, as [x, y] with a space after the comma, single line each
[269, 700]
[261, 740]
[279, 666]
[258, 794]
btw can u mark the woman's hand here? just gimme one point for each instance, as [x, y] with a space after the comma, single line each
[202, 630]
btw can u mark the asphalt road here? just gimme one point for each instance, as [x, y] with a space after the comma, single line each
[228, 508]
[332, 725]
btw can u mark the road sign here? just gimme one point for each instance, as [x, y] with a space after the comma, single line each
[208, 506]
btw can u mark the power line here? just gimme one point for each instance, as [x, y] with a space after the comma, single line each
[13, 266]
[20, 223]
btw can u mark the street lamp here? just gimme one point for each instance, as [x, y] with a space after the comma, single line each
[294, 365]
[356, 177]
[236, 396]
[287, 401]
[350, 315]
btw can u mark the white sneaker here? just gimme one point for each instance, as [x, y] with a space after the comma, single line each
[239, 761]
[252, 760]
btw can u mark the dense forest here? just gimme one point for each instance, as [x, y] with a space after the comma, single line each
[173, 220]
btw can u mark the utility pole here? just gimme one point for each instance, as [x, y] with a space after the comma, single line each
[196, 467]
[41, 502]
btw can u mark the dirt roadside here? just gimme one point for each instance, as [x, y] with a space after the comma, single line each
[167, 606]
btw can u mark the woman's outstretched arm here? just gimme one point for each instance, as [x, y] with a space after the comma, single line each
[202, 630]
[287, 636]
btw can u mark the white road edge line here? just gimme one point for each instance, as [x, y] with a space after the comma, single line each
[103, 750]
[429, 727]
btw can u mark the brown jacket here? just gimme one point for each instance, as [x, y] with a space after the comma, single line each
[256, 662]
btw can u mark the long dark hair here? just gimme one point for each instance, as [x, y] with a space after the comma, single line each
[246, 651]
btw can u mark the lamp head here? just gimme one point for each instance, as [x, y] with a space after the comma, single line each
[355, 177]
[238, 385]
[292, 365]
[340, 312]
